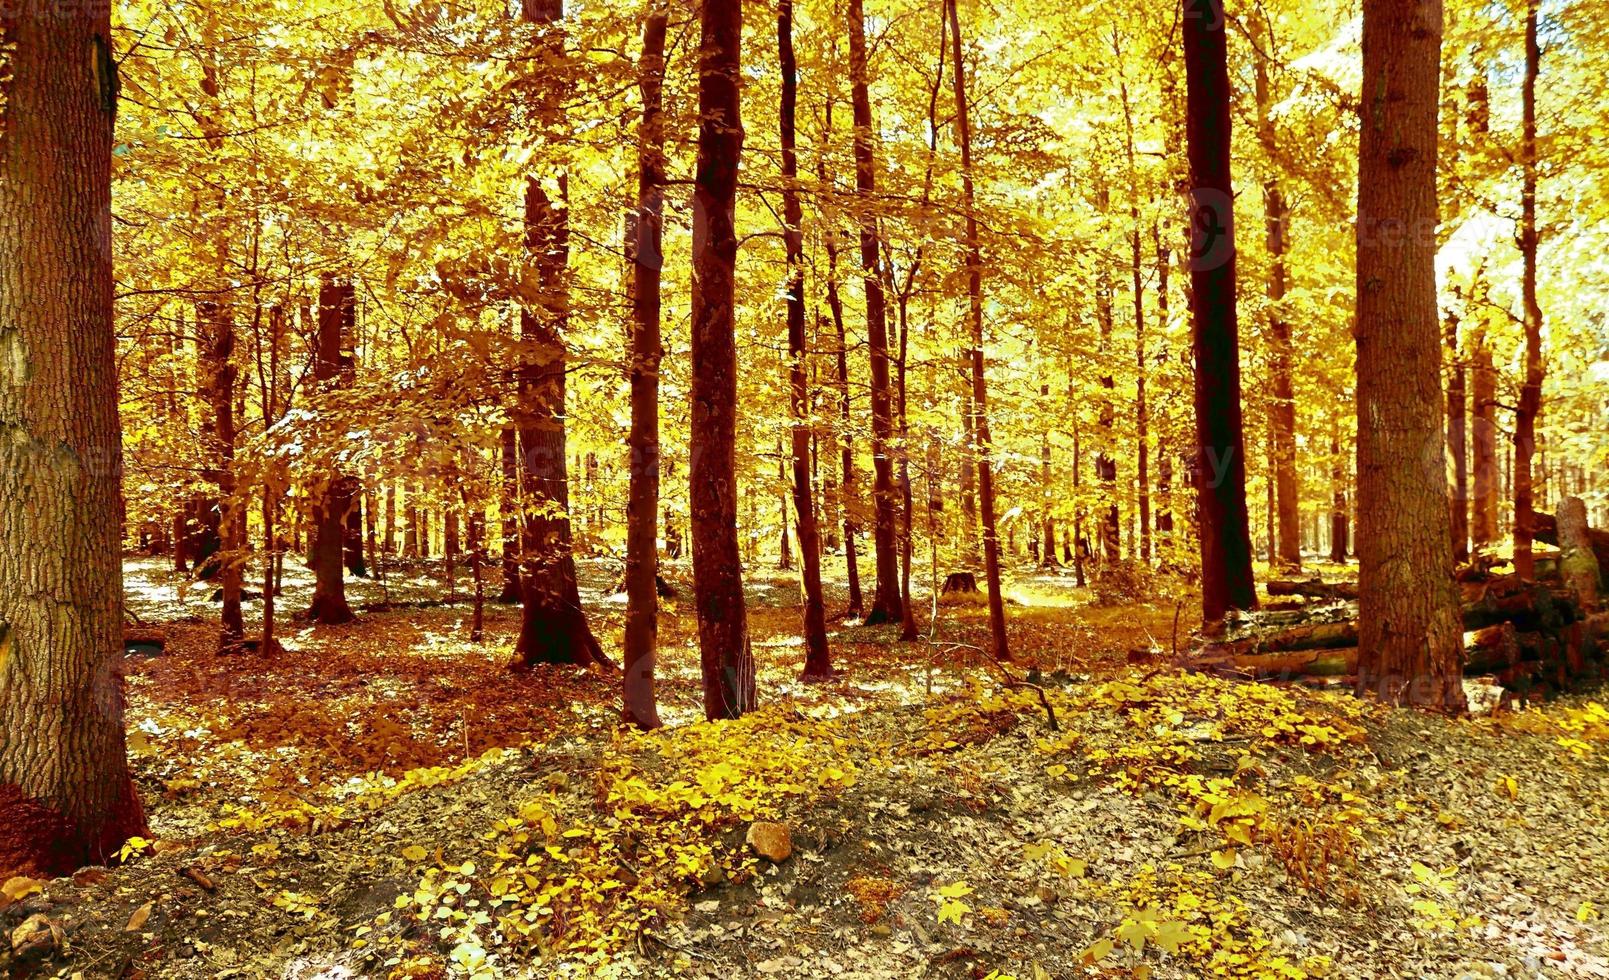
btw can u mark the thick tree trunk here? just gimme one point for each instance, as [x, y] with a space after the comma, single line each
[644, 253]
[725, 657]
[818, 660]
[886, 606]
[1409, 630]
[1531, 390]
[998, 646]
[335, 310]
[66, 799]
[1220, 463]
[553, 626]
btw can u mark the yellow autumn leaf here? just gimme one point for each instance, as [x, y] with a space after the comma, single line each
[952, 911]
[413, 852]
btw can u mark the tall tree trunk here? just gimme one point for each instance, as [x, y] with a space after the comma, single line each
[335, 306]
[1105, 462]
[1276, 218]
[980, 391]
[1338, 522]
[887, 606]
[1483, 439]
[1458, 443]
[1410, 637]
[1047, 520]
[1531, 390]
[1142, 449]
[216, 321]
[644, 247]
[725, 657]
[508, 508]
[1164, 475]
[835, 305]
[65, 795]
[818, 660]
[553, 626]
[1220, 464]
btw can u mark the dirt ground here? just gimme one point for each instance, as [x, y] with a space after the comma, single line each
[386, 799]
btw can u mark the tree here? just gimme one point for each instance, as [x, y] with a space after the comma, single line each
[818, 660]
[553, 626]
[1276, 211]
[336, 310]
[66, 798]
[644, 244]
[1531, 389]
[1220, 463]
[1410, 639]
[886, 603]
[725, 657]
[983, 444]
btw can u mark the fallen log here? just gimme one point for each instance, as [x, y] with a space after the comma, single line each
[1545, 528]
[1486, 651]
[1308, 636]
[1535, 607]
[1313, 589]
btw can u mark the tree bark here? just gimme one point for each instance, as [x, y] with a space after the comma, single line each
[998, 646]
[1220, 463]
[1531, 390]
[1457, 441]
[1409, 633]
[335, 310]
[508, 507]
[66, 799]
[835, 305]
[818, 660]
[887, 606]
[216, 323]
[1276, 217]
[644, 253]
[553, 626]
[1578, 564]
[725, 658]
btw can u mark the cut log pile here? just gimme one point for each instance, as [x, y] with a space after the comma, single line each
[1524, 635]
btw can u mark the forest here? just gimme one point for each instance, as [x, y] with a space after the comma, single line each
[804, 488]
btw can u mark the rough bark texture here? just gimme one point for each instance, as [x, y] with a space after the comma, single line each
[65, 795]
[980, 392]
[818, 661]
[1409, 633]
[335, 310]
[643, 243]
[1220, 463]
[1578, 565]
[1531, 390]
[887, 606]
[723, 636]
[553, 626]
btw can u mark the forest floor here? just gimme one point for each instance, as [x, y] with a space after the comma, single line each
[386, 799]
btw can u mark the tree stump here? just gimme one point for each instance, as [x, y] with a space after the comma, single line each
[1578, 566]
[959, 582]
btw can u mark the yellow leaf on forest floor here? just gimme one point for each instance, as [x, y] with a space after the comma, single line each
[137, 921]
